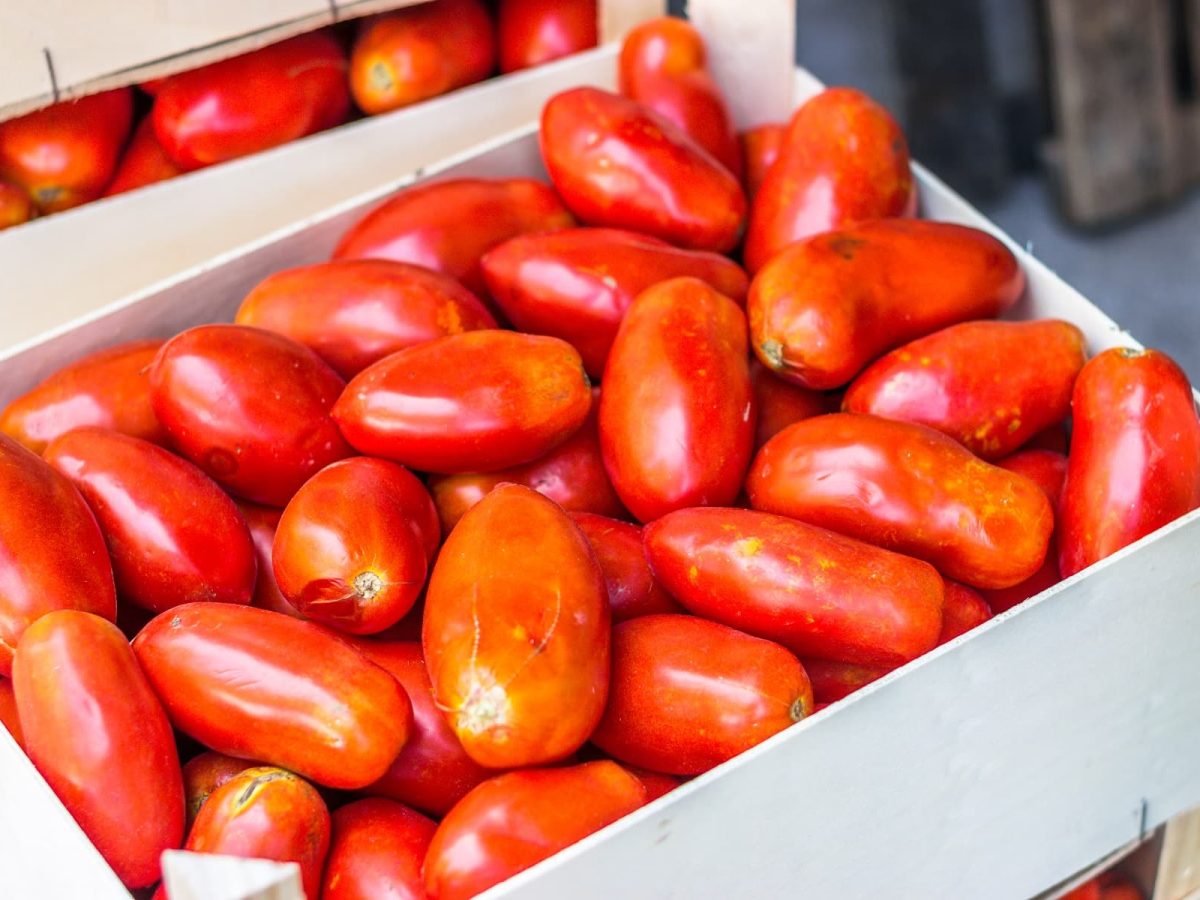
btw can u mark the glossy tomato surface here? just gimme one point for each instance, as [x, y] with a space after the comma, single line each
[665, 45]
[761, 146]
[632, 588]
[532, 32]
[262, 522]
[143, 162]
[376, 852]
[205, 773]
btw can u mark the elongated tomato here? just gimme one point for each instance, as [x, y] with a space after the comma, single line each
[376, 851]
[256, 684]
[471, 402]
[910, 489]
[512, 821]
[677, 412]
[52, 554]
[632, 588]
[144, 162]
[100, 738]
[173, 536]
[109, 388]
[205, 773]
[688, 694]
[517, 652]
[1134, 463]
[249, 407]
[533, 32]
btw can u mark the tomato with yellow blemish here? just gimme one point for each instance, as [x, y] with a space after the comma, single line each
[632, 588]
[824, 308]
[144, 162]
[376, 850]
[761, 147]
[16, 207]
[516, 631]
[205, 773]
[908, 488]
[533, 32]
[781, 403]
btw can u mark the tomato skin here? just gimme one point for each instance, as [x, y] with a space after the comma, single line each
[818, 184]
[251, 102]
[533, 32]
[618, 164]
[665, 45]
[173, 536]
[109, 388]
[256, 684]
[526, 683]
[833, 681]
[408, 55]
[656, 784]
[472, 402]
[100, 738]
[65, 155]
[761, 147]
[263, 522]
[16, 207]
[9, 716]
[52, 554]
[205, 773]
[1134, 463]
[677, 415]
[578, 283]
[992, 386]
[632, 588]
[350, 550]
[266, 813]
[447, 226]
[965, 609]
[781, 403]
[273, 397]
[688, 694]
[513, 821]
[907, 488]
[376, 851]
[353, 313]
[144, 162]
[824, 308]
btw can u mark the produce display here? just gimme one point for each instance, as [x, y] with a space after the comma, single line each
[539, 499]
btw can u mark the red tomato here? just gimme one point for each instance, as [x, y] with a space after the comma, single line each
[656, 784]
[256, 684]
[661, 46]
[617, 163]
[578, 283]
[677, 412]
[99, 736]
[376, 852]
[513, 821]
[15, 206]
[433, 771]
[965, 608]
[824, 308]
[844, 161]
[833, 681]
[910, 489]
[9, 717]
[144, 162]
[471, 402]
[413, 54]
[355, 312]
[266, 813]
[205, 773]
[781, 403]
[252, 102]
[1134, 464]
[173, 536]
[761, 146]
[262, 522]
[533, 32]
[688, 694]
[52, 554]
[65, 154]
[109, 388]
[352, 548]
[249, 407]
[632, 588]
[447, 226]
[517, 651]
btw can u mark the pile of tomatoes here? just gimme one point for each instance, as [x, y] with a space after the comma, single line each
[383, 548]
[74, 152]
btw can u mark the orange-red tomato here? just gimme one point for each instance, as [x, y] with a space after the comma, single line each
[513, 821]
[617, 163]
[402, 57]
[688, 694]
[205, 773]
[1134, 463]
[832, 680]
[844, 161]
[823, 309]
[533, 32]
[376, 852]
[516, 631]
[262, 522]
[991, 386]
[578, 283]
[781, 403]
[250, 407]
[99, 736]
[173, 536]
[352, 548]
[965, 608]
[662, 46]
[447, 226]
[355, 312]
[1106, 886]
[143, 162]
[656, 784]
[9, 717]
[266, 813]
[256, 684]
[677, 412]
[252, 102]
[910, 489]
[109, 388]
[16, 207]
[52, 554]
[65, 154]
[471, 402]
[761, 146]
[632, 588]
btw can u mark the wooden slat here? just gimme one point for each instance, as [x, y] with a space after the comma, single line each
[195, 876]
[617, 17]
[1179, 865]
